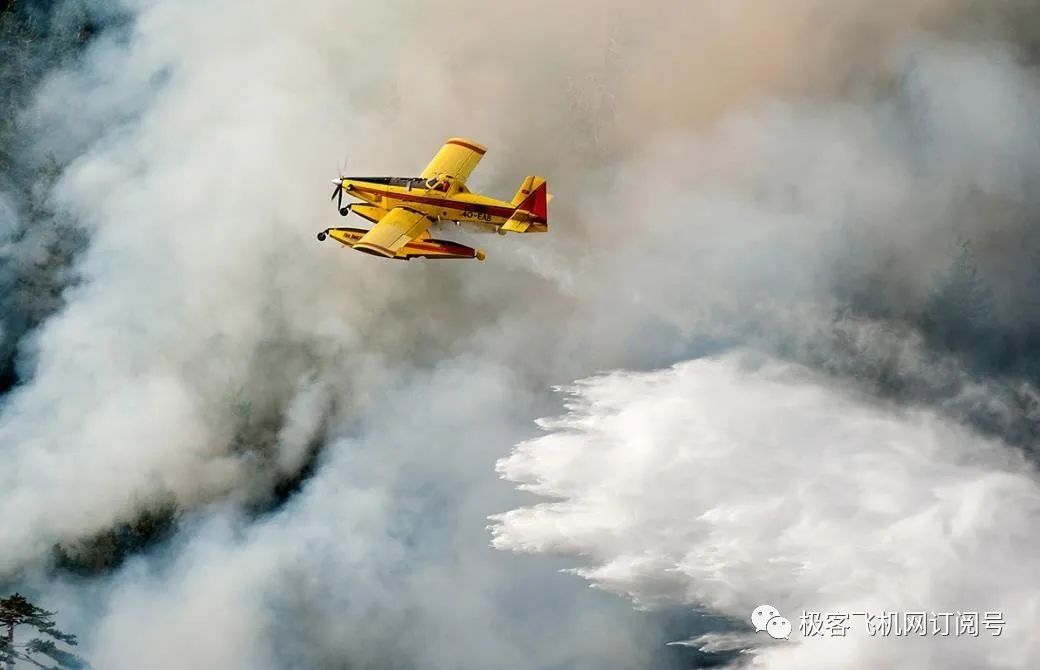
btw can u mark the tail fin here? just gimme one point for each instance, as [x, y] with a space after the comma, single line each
[532, 207]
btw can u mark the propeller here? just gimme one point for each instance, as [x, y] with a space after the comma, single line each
[337, 195]
[338, 192]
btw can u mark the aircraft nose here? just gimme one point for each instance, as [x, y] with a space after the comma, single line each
[337, 182]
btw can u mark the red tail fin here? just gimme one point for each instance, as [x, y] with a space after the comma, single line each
[537, 204]
[531, 211]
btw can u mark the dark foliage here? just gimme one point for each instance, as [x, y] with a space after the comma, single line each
[42, 651]
[35, 263]
[108, 549]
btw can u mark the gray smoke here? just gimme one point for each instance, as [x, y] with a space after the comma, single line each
[797, 179]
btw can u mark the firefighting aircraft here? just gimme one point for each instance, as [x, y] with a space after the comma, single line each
[404, 209]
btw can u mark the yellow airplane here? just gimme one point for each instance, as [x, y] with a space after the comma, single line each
[404, 209]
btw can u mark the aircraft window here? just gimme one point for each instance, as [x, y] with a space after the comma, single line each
[404, 181]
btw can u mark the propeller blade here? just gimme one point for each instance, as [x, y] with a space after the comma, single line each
[338, 193]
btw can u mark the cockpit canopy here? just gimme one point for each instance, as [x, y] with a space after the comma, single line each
[437, 182]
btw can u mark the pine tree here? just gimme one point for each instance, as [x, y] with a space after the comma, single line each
[43, 651]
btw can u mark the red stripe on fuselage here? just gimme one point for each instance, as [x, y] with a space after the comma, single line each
[439, 202]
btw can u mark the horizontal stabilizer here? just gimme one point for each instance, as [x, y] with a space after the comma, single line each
[519, 222]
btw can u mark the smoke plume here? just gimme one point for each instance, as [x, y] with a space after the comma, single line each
[807, 181]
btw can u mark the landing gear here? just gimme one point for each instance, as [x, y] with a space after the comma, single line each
[322, 236]
[344, 211]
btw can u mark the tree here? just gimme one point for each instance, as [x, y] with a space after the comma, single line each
[42, 652]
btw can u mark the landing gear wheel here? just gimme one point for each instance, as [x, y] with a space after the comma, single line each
[321, 236]
[343, 211]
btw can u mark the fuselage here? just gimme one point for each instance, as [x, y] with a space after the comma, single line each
[443, 201]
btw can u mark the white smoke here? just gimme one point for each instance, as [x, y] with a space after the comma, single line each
[730, 482]
[374, 561]
[210, 341]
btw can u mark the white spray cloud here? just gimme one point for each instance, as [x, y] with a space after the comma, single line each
[730, 482]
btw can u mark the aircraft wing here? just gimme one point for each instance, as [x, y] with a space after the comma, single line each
[395, 230]
[456, 159]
